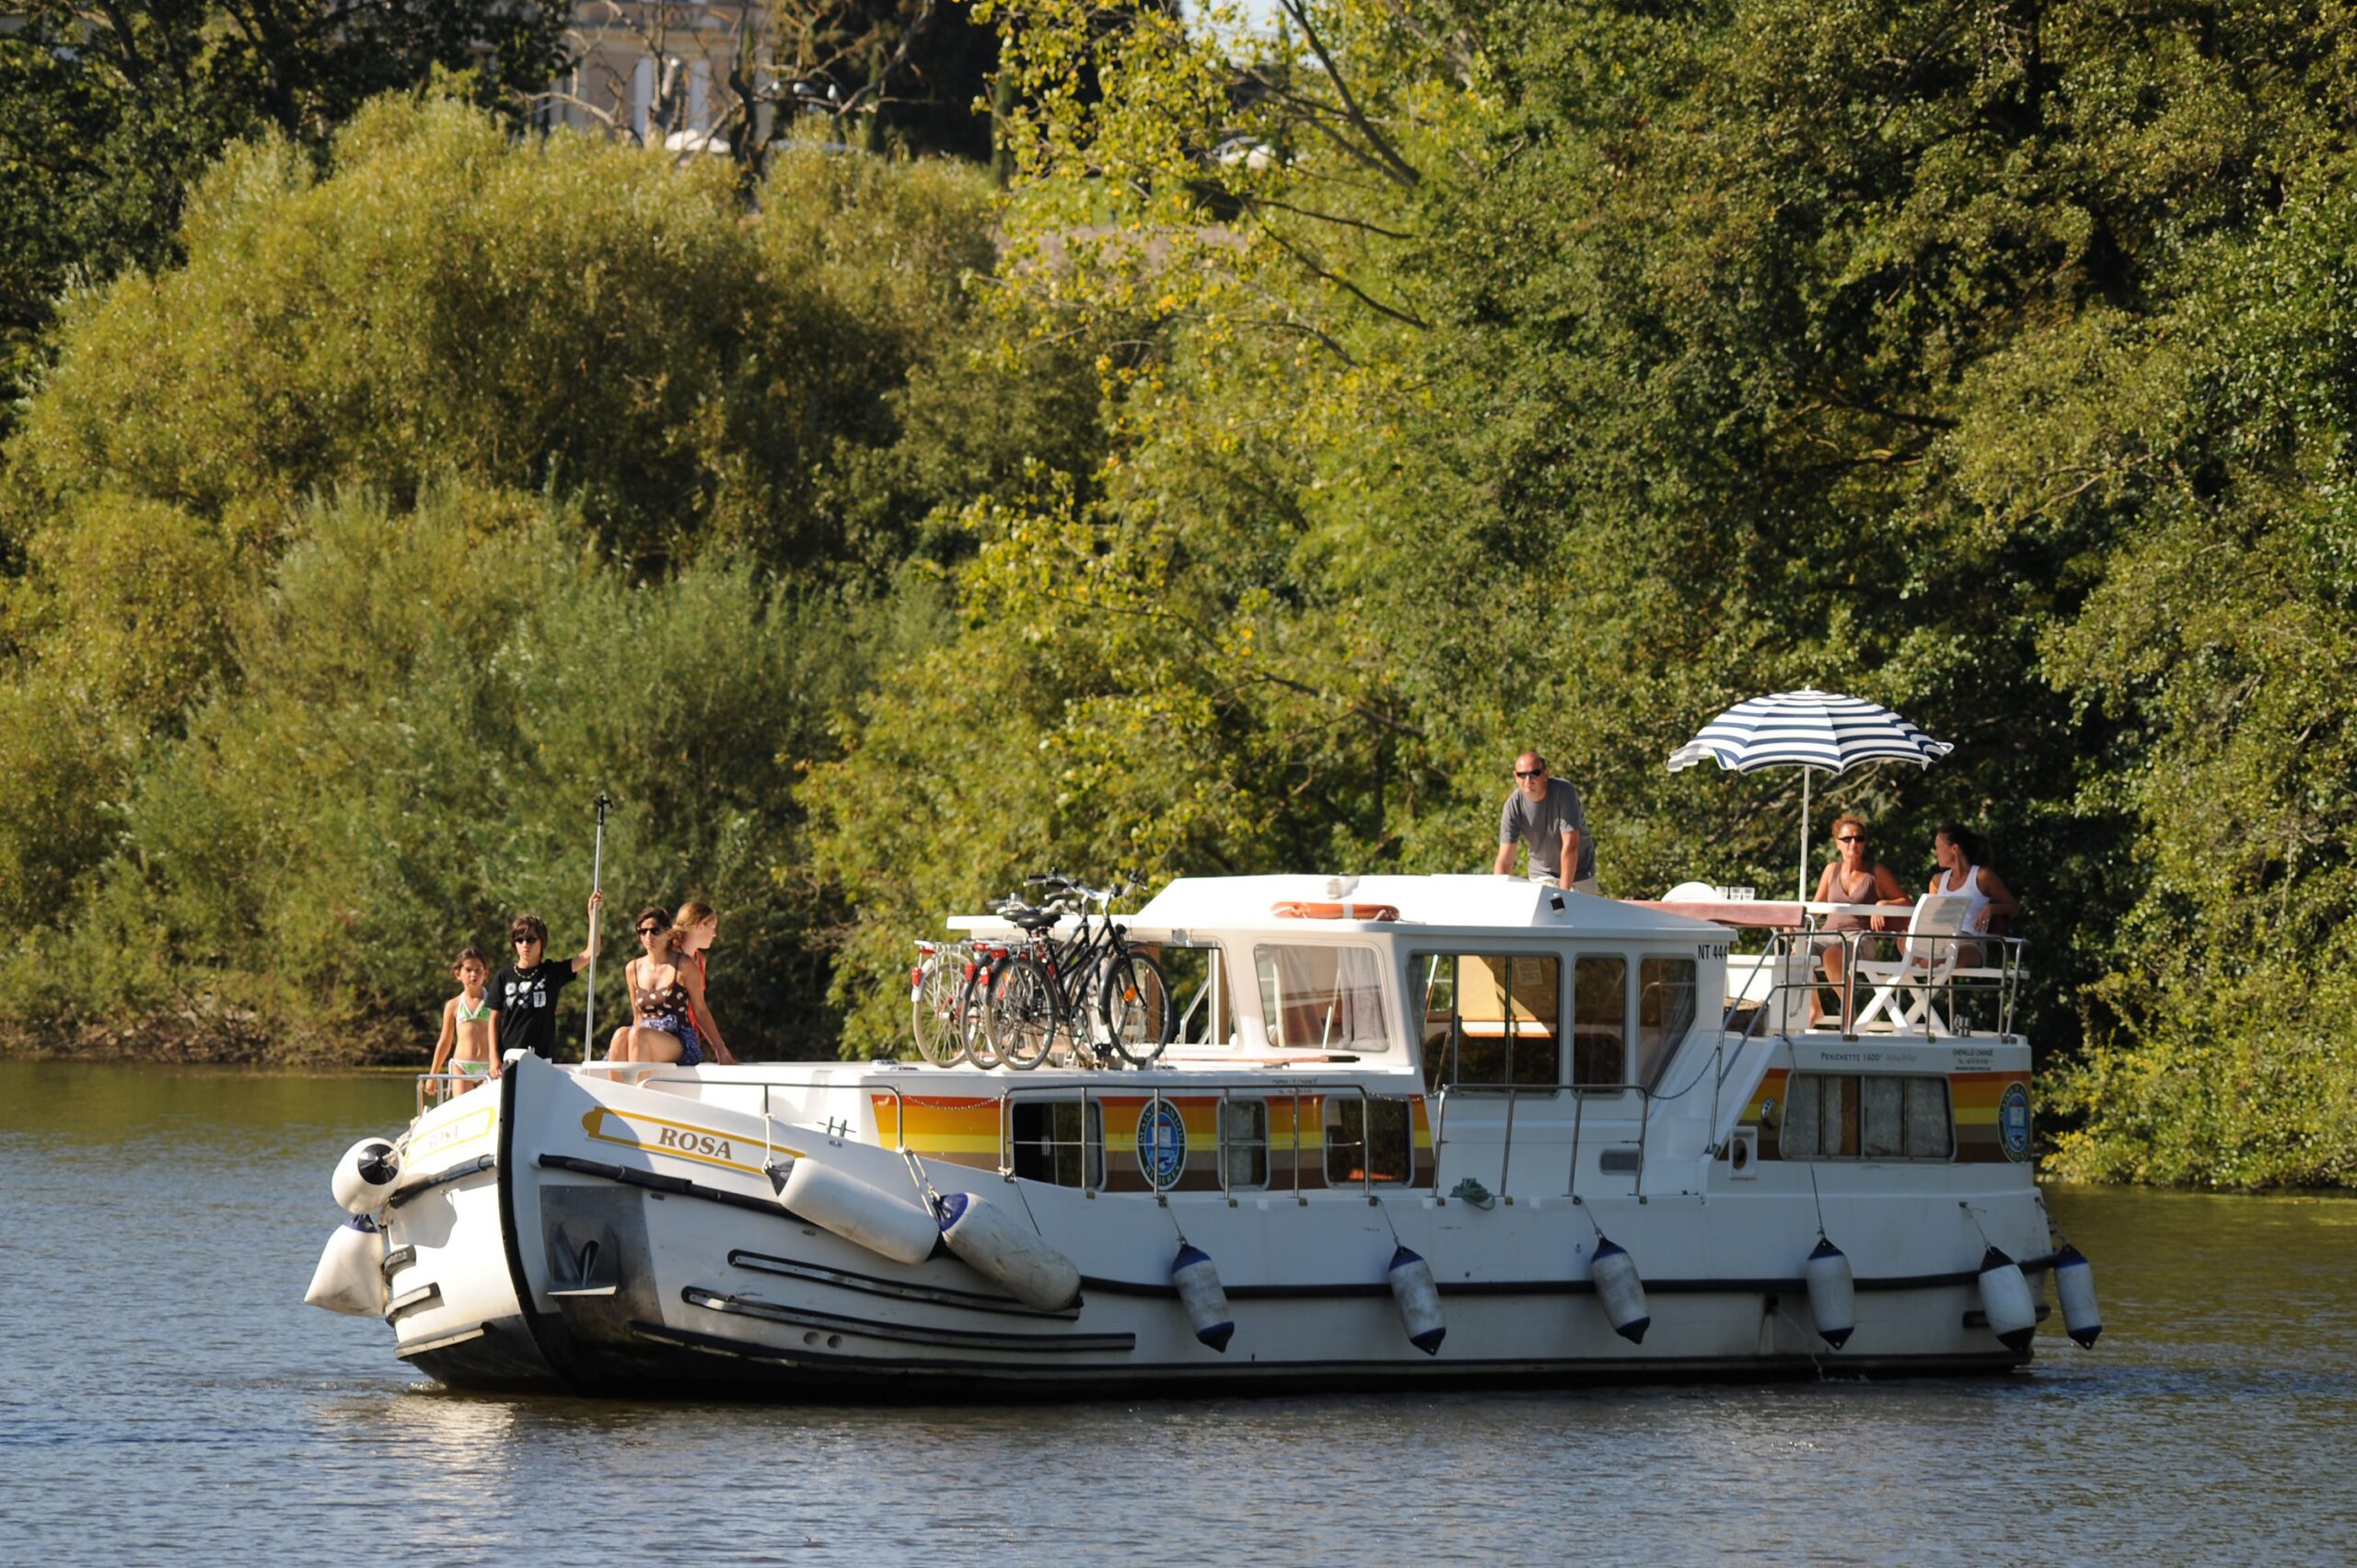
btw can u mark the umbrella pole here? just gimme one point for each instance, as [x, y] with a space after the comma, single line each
[1803, 894]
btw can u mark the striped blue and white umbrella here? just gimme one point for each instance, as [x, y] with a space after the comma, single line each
[1807, 729]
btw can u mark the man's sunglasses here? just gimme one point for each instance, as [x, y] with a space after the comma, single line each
[1530, 773]
[1854, 838]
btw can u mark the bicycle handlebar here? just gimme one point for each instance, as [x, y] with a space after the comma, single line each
[1124, 884]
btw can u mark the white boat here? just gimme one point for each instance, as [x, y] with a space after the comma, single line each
[1454, 1130]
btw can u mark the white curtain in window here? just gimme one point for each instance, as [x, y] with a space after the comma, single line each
[1325, 998]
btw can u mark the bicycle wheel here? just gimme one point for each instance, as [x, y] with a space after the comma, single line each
[933, 1001]
[969, 1013]
[1135, 1006]
[1022, 1018]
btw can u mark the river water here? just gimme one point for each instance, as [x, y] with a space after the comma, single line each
[164, 1396]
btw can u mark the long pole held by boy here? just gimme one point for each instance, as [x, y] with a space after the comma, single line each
[597, 881]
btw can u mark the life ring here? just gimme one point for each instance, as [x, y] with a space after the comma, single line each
[1294, 909]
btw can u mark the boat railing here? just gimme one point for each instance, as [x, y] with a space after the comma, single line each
[1086, 1093]
[444, 1088]
[1938, 986]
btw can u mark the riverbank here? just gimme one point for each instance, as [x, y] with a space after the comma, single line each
[212, 1048]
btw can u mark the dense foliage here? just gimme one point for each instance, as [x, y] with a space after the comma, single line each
[1323, 416]
[109, 112]
[1556, 374]
[429, 497]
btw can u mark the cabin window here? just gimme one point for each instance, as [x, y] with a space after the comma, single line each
[1326, 999]
[1665, 1012]
[1870, 1116]
[1489, 1021]
[1244, 1142]
[1367, 1140]
[1058, 1141]
[1600, 1020]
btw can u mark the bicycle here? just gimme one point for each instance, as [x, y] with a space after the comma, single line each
[1108, 997]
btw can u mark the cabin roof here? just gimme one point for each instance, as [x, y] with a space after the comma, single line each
[1453, 902]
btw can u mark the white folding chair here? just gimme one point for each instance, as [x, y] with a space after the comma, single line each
[1927, 957]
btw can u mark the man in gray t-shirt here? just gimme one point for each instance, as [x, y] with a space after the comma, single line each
[1545, 814]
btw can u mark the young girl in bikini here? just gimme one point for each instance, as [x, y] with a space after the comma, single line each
[466, 1042]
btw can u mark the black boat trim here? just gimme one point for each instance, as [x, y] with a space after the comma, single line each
[440, 1342]
[674, 1186]
[1793, 1285]
[399, 1258]
[458, 1172]
[940, 1296]
[1030, 1379]
[953, 1339]
[410, 1300]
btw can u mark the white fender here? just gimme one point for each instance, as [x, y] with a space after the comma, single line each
[1004, 1252]
[1618, 1286]
[1832, 1293]
[1418, 1295]
[863, 1215]
[2075, 1282]
[351, 1276]
[1200, 1292]
[2006, 1300]
[364, 1176]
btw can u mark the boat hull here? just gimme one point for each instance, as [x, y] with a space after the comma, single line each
[625, 1240]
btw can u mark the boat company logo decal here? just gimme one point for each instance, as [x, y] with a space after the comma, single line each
[1162, 1143]
[677, 1139]
[2013, 1121]
[449, 1135]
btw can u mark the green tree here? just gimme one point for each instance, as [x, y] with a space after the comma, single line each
[749, 419]
[2222, 639]
[1646, 360]
[559, 313]
[109, 113]
[418, 708]
[560, 316]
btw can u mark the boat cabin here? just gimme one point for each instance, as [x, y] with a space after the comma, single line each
[1337, 1031]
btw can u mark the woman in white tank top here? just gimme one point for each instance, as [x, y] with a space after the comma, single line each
[1988, 905]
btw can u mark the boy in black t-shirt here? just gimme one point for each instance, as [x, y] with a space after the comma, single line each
[523, 996]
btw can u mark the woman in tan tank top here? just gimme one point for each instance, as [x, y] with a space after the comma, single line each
[1852, 878]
